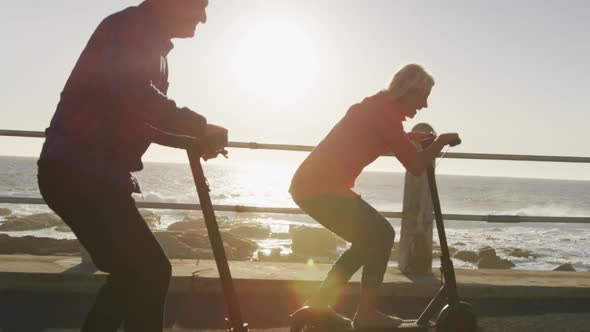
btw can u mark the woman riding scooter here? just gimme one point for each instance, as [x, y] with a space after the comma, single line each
[322, 186]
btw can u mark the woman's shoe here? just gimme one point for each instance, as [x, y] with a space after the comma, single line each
[325, 317]
[381, 321]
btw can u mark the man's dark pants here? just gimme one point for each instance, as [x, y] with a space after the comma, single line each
[107, 223]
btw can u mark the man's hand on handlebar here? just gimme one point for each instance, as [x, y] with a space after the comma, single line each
[211, 144]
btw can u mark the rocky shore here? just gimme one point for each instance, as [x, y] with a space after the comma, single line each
[188, 239]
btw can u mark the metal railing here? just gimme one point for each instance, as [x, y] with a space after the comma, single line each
[389, 214]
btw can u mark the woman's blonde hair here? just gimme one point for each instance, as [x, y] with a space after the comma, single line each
[410, 77]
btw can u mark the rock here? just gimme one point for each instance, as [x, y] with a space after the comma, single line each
[64, 229]
[488, 259]
[251, 230]
[494, 262]
[195, 239]
[32, 222]
[486, 252]
[230, 252]
[85, 255]
[565, 267]
[459, 244]
[31, 245]
[280, 235]
[275, 256]
[452, 249]
[173, 247]
[151, 219]
[517, 252]
[188, 224]
[203, 254]
[244, 248]
[313, 241]
[236, 247]
[394, 255]
[467, 256]
[5, 212]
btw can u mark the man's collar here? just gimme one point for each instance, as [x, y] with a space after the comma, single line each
[159, 30]
[167, 47]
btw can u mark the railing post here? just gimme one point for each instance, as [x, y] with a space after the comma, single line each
[415, 247]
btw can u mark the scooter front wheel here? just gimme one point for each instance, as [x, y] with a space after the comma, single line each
[459, 318]
[296, 327]
[298, 320]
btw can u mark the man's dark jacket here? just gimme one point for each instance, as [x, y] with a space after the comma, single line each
[114, 101]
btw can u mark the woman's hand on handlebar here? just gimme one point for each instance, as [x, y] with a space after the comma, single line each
[419, 136]
[451, 139]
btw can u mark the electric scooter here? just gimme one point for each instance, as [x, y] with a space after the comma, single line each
[454, 315]
[214, 146]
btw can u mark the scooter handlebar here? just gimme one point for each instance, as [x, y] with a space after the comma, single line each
[424, 139]
[212, 143]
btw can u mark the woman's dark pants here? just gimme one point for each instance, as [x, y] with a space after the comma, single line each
[369, 232]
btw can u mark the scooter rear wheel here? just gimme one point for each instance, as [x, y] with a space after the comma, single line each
[460, 318]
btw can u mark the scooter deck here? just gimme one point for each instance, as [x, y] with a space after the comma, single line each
[406, 325]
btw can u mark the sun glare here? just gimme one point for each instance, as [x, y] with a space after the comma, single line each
[276, 61]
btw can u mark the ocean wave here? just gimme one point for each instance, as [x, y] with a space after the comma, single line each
[548, 210]
[152, 196]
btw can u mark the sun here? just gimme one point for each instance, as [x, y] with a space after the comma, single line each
[276, 61]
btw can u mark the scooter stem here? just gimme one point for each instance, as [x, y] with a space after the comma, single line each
[236, 324]
[446, 263]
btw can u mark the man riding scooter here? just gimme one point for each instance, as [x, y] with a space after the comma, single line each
[112, 108]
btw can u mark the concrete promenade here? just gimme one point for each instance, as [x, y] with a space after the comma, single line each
[39, 293]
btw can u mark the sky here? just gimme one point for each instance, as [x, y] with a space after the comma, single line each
[511, 77]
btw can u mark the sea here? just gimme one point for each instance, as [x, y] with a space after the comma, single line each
[265, 184]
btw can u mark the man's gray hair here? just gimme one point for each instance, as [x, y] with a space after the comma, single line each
[410, 77]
